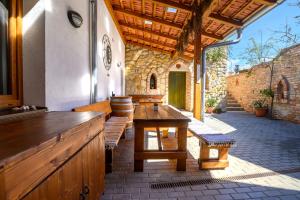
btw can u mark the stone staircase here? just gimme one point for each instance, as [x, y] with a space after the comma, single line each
[232, 104]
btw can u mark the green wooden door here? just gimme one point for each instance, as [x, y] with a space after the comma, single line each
[177, 89]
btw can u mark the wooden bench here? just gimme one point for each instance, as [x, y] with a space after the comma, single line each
[207, 142]
[114, 129]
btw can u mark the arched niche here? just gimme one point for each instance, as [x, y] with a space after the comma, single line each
[153, 82]
[282, 91]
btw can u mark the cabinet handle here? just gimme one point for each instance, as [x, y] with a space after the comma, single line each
[86, 190]
[82, 196]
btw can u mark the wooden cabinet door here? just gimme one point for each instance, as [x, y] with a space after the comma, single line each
[82, 174]
[94, 167]
[64, 184]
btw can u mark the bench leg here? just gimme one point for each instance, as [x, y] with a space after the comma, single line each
[205, 162]
[108, 160]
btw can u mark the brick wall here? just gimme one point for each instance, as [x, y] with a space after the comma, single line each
[246, 85]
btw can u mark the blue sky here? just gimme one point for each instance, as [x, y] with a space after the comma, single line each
[264, 28]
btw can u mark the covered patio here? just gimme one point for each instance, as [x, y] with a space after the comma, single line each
[113, 99]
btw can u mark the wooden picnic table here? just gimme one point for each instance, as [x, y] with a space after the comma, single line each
[165, 117]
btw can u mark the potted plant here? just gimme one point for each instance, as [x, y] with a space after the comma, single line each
[260, 107]
[210, 105]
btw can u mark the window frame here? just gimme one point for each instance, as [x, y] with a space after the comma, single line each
[15, 56]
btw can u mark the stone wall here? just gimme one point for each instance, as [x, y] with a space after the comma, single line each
[216, 83]
[141, 63]
[246, 85]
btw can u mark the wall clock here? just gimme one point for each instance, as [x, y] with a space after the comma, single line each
[106, 52]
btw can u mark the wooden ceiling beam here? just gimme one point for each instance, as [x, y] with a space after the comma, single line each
[211, 35]
[150, 41]
[226, 20]
[168, 3]
[148, 31]
[266, 2]
[146, 17]
[227, 6]
[204, 33]
[149, 47]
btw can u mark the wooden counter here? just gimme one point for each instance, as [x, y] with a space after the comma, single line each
[55, 155]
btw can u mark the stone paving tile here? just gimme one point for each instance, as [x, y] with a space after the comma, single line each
[263, 145]
[210, 192]
[227, 191]
[256, 194]
[240, 196]
[223, 197]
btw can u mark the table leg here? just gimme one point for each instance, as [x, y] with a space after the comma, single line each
[158, 139]
[181, 136]
[138, 147]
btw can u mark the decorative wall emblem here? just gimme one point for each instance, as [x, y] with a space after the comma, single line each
[106, 52]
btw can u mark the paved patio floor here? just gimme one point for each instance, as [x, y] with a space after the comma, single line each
[263, 145]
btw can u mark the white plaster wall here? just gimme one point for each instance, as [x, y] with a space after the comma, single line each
[56, 55]
[113, 82]
[67, 56]
[34, 52]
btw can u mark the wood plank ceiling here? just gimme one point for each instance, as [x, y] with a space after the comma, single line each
[157, 24]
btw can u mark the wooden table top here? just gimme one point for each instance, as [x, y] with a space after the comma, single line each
[164, 113]
[150, 100]
[23, 134]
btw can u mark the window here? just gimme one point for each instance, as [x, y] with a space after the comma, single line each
[5, 88]
[153, 82]
[10, 53]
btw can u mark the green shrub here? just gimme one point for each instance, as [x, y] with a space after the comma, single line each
[268, 93]
[211, 102]
[261, 103]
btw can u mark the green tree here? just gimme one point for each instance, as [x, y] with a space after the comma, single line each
[216, 55]
[259, 51]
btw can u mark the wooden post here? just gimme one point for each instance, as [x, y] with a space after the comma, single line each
[197, 82]
[203, 9]
[197, 67]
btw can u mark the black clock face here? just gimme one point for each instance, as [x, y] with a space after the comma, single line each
[107, 53]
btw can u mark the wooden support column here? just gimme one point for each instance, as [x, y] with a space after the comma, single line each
[201, 12]
[197, 82]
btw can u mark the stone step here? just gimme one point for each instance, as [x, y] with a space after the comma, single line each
[235, 109]
[233, 105]
[232, 101]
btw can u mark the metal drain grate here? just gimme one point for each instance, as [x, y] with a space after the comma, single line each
[221, 180]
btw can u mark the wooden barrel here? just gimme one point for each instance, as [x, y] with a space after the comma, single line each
[122, 106]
